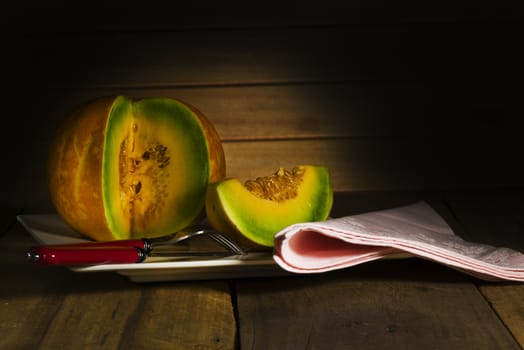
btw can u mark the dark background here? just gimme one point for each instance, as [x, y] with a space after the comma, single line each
[406, 95]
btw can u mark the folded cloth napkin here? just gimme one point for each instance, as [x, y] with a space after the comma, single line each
[414, 230]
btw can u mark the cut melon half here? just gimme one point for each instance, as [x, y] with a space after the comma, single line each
[120, 168]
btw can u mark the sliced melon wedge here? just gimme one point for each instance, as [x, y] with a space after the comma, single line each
[252, 213]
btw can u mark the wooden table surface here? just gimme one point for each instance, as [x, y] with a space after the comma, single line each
[398, 304]
[402, 102]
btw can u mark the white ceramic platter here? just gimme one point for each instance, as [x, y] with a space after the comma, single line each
[51, 229]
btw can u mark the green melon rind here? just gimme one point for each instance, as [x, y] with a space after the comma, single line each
[160, 111]
[261, 230]
[118, 116]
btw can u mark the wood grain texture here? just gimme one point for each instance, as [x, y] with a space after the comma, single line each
[419, 103]
[372, 165]
[183, 316]
[49, 308]
[437, 112]
[496, 219]
[372, 136]
[402, 97]
[404, 304]
[401, 303]
[508, 303]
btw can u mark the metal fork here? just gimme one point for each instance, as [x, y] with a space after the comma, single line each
[180, 245]
[187, 234]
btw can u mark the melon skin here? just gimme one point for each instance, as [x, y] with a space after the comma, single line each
[253, 221]
[88, 175]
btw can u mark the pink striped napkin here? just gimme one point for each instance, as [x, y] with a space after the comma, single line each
[414, 230]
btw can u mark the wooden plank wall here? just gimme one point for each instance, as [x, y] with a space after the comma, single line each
[393, 97]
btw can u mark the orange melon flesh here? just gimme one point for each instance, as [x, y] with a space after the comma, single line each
[253, 219]
[126, 169]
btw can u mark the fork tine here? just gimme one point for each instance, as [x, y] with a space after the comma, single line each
[233, 244]
[226, 242]
[216, 236]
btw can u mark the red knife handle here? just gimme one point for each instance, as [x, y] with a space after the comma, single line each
[139, 243]
[48, 255]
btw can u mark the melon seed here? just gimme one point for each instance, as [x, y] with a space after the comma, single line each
[278, 187]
